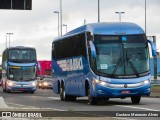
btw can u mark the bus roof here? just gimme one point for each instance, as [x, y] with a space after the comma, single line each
[107, 28]
[20, 47]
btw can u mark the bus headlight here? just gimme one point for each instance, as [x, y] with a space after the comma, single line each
[102, 83]
[146, 82]
[33, 84]
[10, 83]
[95, 81]
[45, 83]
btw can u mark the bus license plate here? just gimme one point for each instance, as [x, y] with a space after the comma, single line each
[125, 92]
[21, 89]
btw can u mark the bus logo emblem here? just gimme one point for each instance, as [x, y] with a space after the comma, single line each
[71, 64]
[125, 85]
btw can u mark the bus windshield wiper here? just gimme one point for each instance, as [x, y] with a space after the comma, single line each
[132, 66]
[117, 66]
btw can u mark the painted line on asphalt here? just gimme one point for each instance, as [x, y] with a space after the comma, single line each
[119, 118]
[25, 107]
[21, 105]
[148, 109]
[3, 103]
[55, 98]
[32, 107]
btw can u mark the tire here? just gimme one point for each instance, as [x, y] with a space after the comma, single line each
[63, 95]
[107, 99]
[4, 88]
[136, 99]
[32, 92]
[8, 91]
[72, 98]
[91, 100]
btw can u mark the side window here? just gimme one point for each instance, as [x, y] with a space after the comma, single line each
[56, 51]
[53, 54]
[81, 44]
[4, 58]
[69, 47]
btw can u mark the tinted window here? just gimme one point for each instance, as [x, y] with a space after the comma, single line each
[70, 47]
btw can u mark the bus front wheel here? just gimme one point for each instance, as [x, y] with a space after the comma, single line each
[91, 100]
[4, 90]
[136, 99]
[32, 92]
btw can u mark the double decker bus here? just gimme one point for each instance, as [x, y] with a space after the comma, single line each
[19, 66]
[102, 61]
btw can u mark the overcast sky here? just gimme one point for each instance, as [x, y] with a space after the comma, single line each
[38, 27]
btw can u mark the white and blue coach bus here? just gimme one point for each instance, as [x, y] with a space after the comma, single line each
[102, 61]
[19, 66]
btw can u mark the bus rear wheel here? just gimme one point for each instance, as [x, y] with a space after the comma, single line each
[136, 99]
[91, 100]
[63, 95]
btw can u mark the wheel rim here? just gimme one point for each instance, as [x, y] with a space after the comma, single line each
[64, 94]
[61, 94]
[89, 96]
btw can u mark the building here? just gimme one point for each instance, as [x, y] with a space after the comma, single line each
[45, 68]
[152, 66]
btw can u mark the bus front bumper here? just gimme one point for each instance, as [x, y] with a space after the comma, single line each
[102, 91]
[9, 88]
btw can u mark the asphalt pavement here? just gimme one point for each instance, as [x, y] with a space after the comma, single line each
[2, 103]
[4, 106]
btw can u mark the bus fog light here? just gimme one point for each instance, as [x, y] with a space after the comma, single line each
[100, 91]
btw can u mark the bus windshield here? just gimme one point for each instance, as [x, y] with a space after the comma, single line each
[17, 73]
[122, 56]
[22, 55]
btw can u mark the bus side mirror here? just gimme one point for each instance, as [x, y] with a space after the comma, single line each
[93, 49]
[39, 66]
[153, 47]
[89, 36]
[5, 65]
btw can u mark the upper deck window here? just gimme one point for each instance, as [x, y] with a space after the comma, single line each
[22, 55]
